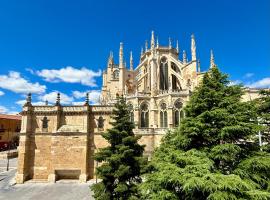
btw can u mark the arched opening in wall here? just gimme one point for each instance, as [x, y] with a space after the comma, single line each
[116, 74]
[131, 111]
[163, 116]
[175, 82]
[163, 74]
[100, 122]
[144, 114]
[45, 124]
[177, 112]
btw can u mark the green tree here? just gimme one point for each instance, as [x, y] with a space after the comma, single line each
[122, 159]
[213, 154]
[264, 115]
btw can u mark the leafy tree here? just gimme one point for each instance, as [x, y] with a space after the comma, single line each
[122, 159]
[213, 154]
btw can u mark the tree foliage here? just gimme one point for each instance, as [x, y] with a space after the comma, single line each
[213, 154]
[122, 159]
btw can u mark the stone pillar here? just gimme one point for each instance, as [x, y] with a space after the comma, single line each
[24, 150]
[153, 109]
[153, 77]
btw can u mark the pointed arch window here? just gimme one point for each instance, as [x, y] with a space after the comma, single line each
[178, 112]
[144, 114]
[163, 115]
[163, 74]
[131, 111]
[100, 122]
[116, 74]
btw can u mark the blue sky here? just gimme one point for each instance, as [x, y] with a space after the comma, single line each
[61, 45]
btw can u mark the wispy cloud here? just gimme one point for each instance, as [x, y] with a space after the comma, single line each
[94, 95]
[248, 75]
[15, 83]
[263, 83]
[70, 75]
[3, 109]
[1, 93]
[51, 98]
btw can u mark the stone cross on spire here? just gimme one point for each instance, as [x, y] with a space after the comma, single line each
[193, 48]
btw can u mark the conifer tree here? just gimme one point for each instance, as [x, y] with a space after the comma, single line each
[122, 160]
[264, 115]
[213, 154]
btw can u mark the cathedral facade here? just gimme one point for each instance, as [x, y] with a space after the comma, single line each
[59, 141]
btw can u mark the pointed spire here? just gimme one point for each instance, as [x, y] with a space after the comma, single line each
[57, 103]
[131, 61]
[110, 59]
[177, 46]
[199, 65]
[121, 56]
[212, 59]
[28, 100]
[193, 48]
[184, 57]
[86, 99]
[170, 43]
[46, 102]
[152, 41]
[157, 43]
[146, 45]
[141, 51]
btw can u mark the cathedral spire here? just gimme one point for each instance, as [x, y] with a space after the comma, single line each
[146, 45]
[152, 41]
[199, 65]
[184, 57]
[212, 59]
[110, 59]
[193, 48]
[141, 51]
[170, 43]
[177, 46]
[131, 61]
[157, 43]
[121, 56]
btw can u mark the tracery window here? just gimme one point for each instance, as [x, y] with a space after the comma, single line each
[175, 82]
[130, 108]
[144, 113]
[178, 112]
[163, 74]
[100, 122]
[116, 74]
[163, 116]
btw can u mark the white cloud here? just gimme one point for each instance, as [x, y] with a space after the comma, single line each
[94, 95]
[70, 75]
[51, 98]
[38, 103]
[3, 109]
[1, 93]
[236, 82]
[14, 82]
[263, 83]
[79, 103]
[248, 75]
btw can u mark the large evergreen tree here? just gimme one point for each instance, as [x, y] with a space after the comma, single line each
[213, 154]
[264, 115]
[122, 159]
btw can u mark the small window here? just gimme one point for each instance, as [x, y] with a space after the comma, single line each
[100, 122]
[45, 123]
[116, 74]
